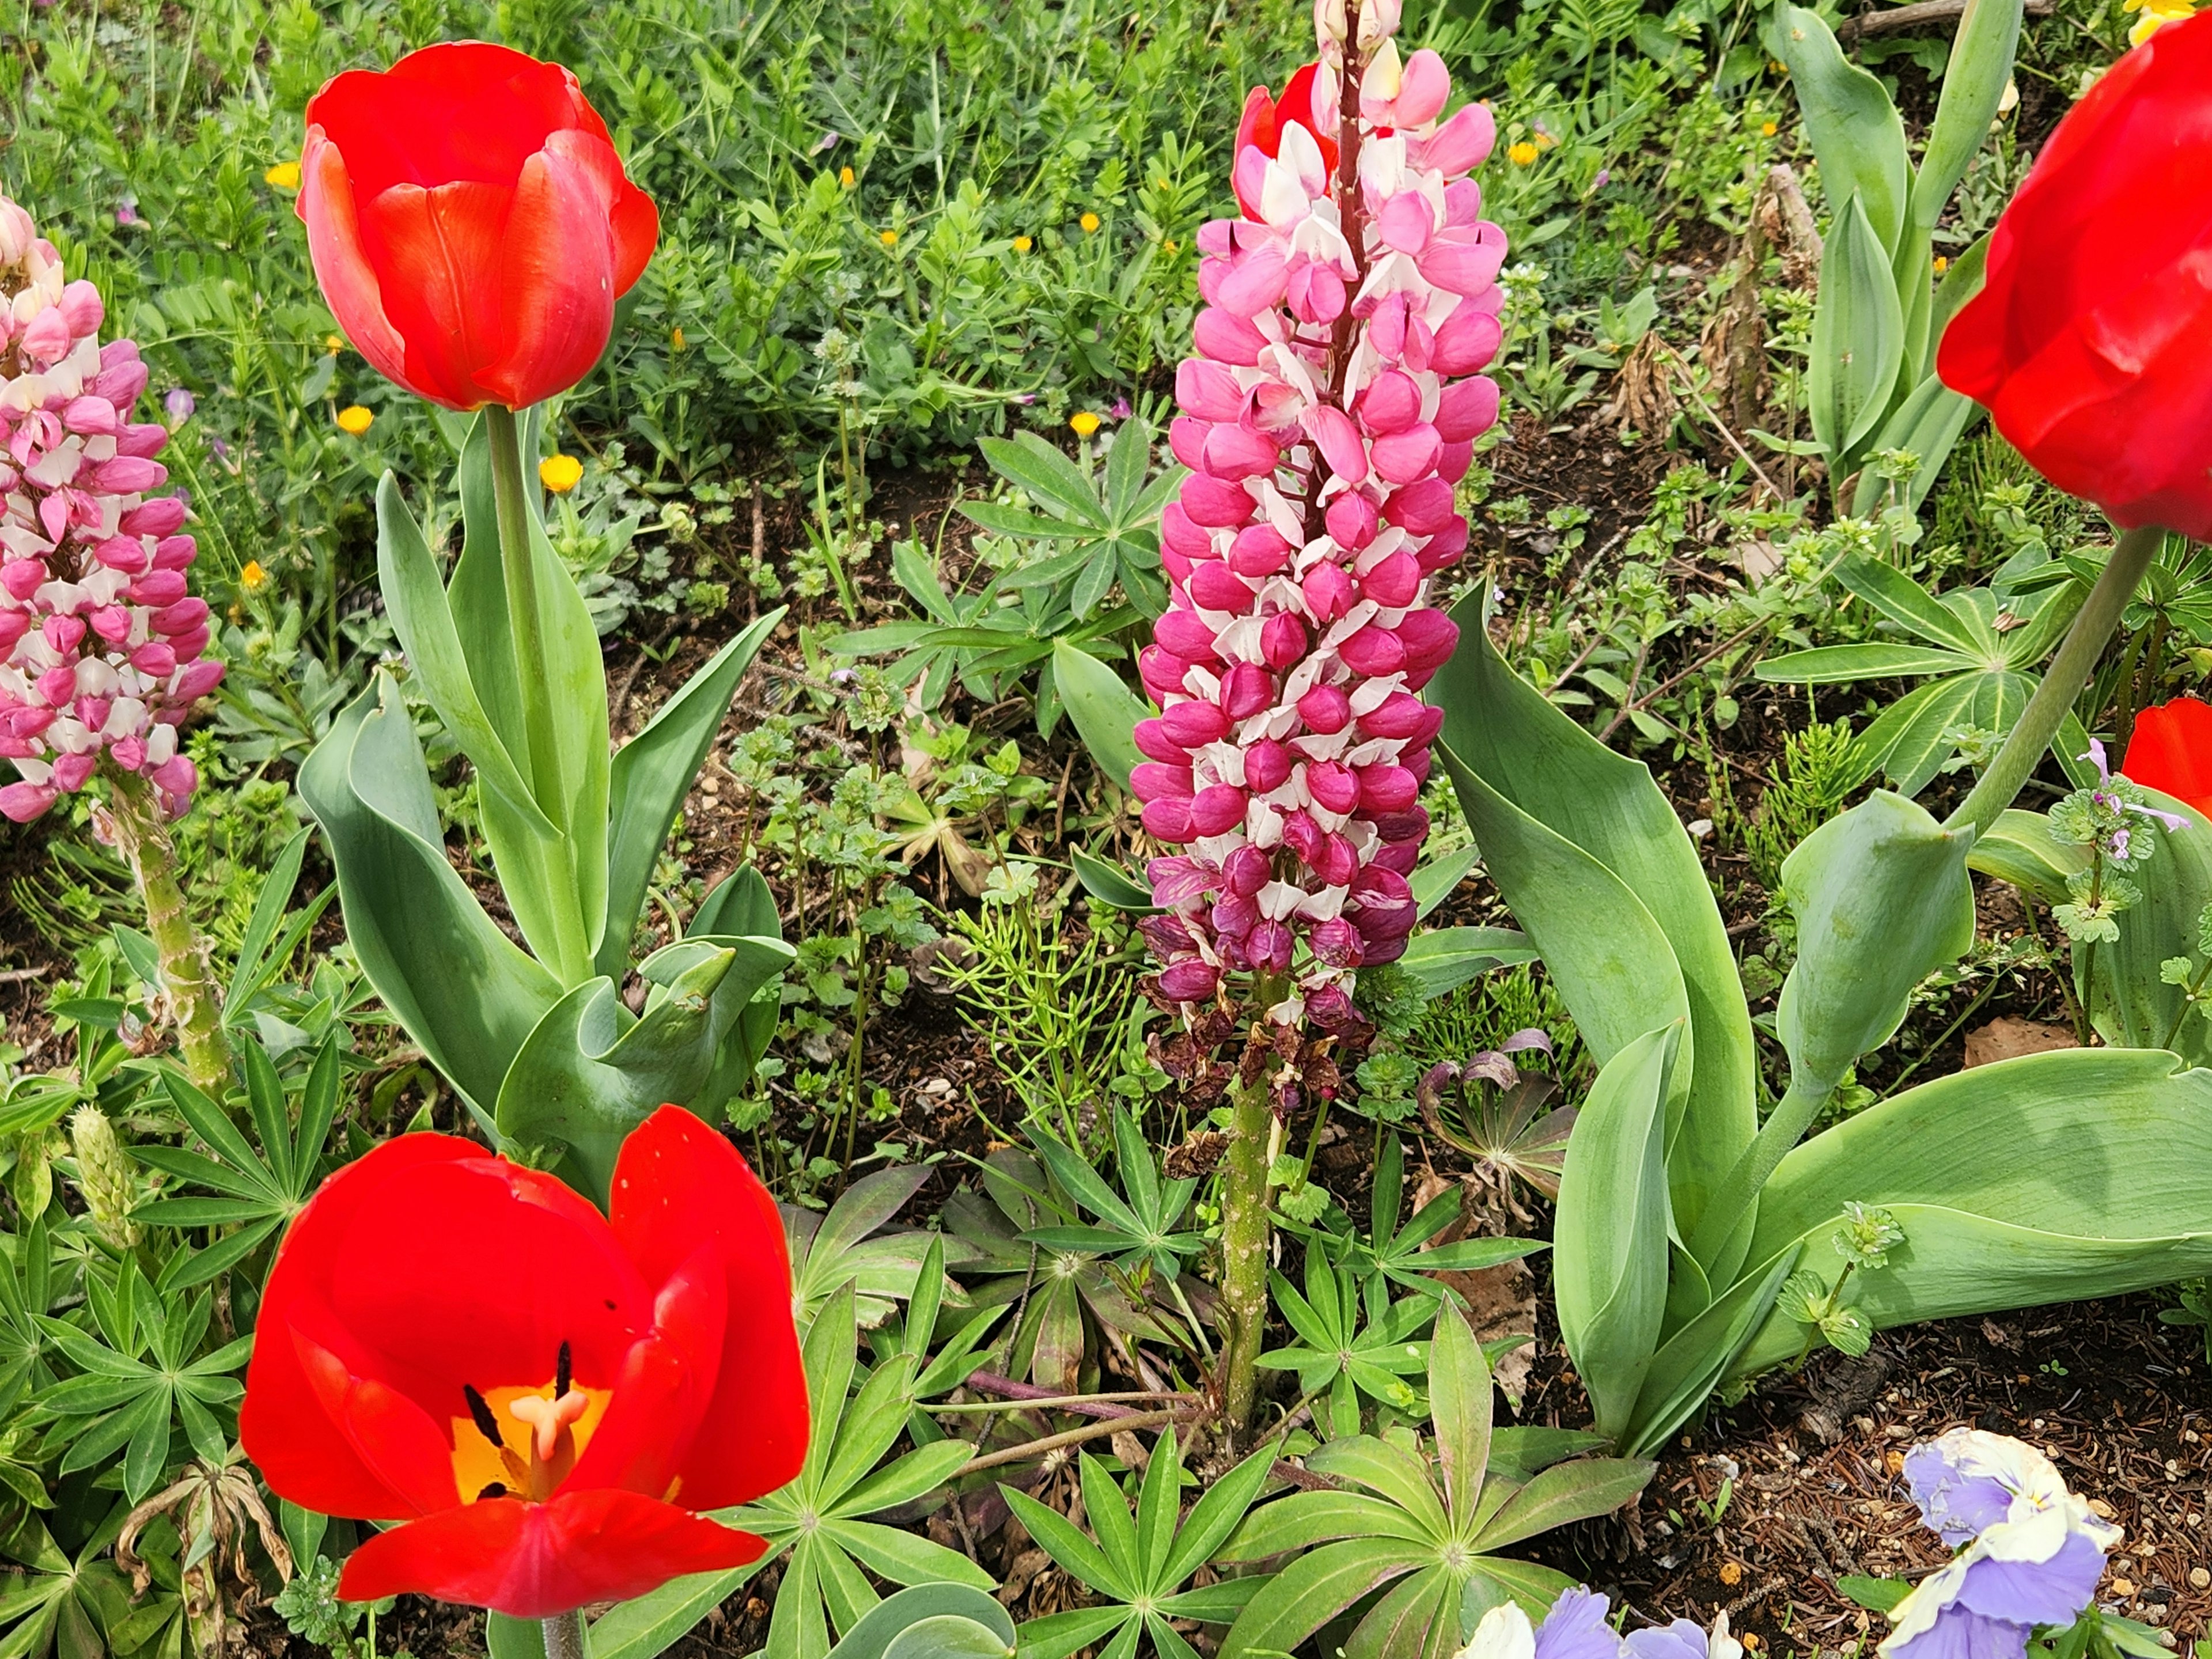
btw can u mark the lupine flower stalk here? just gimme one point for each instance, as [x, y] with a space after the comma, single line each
[1331, 406]
[99, 642]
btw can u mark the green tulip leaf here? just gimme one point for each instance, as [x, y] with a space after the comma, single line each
[1974, 83]
[1858, 338]
[1856, 135]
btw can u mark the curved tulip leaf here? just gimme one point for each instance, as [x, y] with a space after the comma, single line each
[1105, 710]
[650, 776]
[452, 978]
[1691, 1362]
[1858, 338]
[1601, 872]
[1858, 136]
[743, 907]
[1882, 900]
[1609, 1249]
[590, 1072]
[556, 889]
[2045, 1178]
[1974, 83]
[415, 596]
[1444, 959]
[2019, 848]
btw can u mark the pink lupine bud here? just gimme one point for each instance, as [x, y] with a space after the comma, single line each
[1151, 780]
[1214, 587]
[1154, 743]
[174, 552]
[1267, 766]
[1217, 809]
[1270, 945]
[143, 441]
[1373, 651]
[1325, 709]
[162, 516]
[1336, 942]
[1418, 761]
[197, 681]
[1328, 592]
[57, 685]
[1177, 532]
[1229, 339]
[191, 644]
[1168, 819]
[1382, 889]
[21, 802]
[1338, 440]
[1195, 724]
[1185, 634]
[177, 774]
[1351, 520]
[1254, 283]
[47, 340]
[1239, 452]
[1429, 637]
[1317, 293]
[1338, 861]
[1169, 936]
[1208, 391]
[1411, 825]
[1258, 550]
[124, 553]
[1463, 267]
[1444, 546]
[180, 617]
[1422, 507]
[14, 624]
[1246, 689]
[71, 770]
[1189, 981]
[1186, 441]
[129, 475]
[1462, 142]
[1453, 461]
[130, 753]
[157, 587]
[1468, 410]
[1387, 789]
[1401, 856]
[1462, 204]
[81, 308]
[62, 632]
[1422, 89]
[21, 577]
[1282, 639]
[1394, 583]
[1246, 871]
[1391, 403]
[1330, 1007]
[25, 721]
[1304, 836]
[92, 712]
[1214, 503]
[1334, 786]
[1402, 457]
[156, 658]
[1468, 341]
[1399, 715]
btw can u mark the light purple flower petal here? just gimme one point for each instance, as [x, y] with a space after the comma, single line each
[1955, 1506]
[2050, 1592]
[1959, 1634]
[1575, 1628]
[1680, 1640]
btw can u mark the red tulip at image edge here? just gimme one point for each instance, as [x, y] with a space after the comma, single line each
[2091, 343]
[471, 223]
[541, 1395]
[2171, 751]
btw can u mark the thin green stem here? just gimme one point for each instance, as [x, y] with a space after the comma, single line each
[2069, 671]
[564, 1636]
[141, 835]
[1786, 1126]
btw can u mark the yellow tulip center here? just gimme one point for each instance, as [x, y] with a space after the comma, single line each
[521, 1440]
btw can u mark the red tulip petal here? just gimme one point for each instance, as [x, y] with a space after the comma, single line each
[438, 254]
[325, 203]
[636, 224]
[534, 1560]
[463, 112]
[287, 1429]
[557, 278]
[391, 1433]
[2171, 751]
[662, 1394]
[678, 1184]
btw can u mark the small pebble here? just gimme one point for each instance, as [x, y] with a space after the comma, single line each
[2199, 1578]
[2123, 1587]
[2101, 1508]
[1731, 1573]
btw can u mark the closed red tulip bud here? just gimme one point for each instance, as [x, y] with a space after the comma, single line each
[541, 1395]
[2171, 751]
[1217, 809]
[2089, 339]
[471, 223]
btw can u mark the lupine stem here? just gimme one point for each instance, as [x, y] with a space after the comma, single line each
[141, 835]
[564, 1636]
[1245, 1245]
[2031, 734]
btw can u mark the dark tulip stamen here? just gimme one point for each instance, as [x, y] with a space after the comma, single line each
[498, 1489]
[562, 1373]
[480, 1413]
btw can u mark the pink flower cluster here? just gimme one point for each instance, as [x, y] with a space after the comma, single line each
[99, 643]
[1332, 407]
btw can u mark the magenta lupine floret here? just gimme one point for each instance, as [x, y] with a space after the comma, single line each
[1333, 404]
[99, 643]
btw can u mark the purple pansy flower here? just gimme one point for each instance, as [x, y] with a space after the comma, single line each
[1575, 1628]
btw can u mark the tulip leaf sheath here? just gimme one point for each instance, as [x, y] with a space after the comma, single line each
[2033, 1181]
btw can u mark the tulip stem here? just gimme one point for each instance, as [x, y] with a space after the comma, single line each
[2084, 643]
[142, 836]
[564, 1636]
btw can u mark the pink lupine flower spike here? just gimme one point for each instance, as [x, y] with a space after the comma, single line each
[1331, 405]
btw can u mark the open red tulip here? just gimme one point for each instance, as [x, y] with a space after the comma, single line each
[544, 1395]
[471, 223]
[1262, 124]
[2088, 341]
[2171, 751]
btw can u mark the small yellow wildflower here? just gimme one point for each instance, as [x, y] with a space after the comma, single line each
[1942, 264]
[1089, 222]
[845, 176]
[285, 175]
[1522, 154]
[1084, 421]
[560, 473]
[353, 420]
[676, 338]
[1022, 244]
[333, 343]
[1768, 129]
[254, 578]
[888, 238]
[1777, 66]
[1172, 245]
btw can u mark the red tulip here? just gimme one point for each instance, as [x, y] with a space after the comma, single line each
[1262, 124]
[542, 1395]
[2089, 341]
[470, 223]
[2171, 751]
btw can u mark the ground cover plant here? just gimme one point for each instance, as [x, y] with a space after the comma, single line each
[1259, 830]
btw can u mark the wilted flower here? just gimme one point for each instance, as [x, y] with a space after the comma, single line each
[126, 211]
[1120, 409]
[2035, 1551]
[100, 641]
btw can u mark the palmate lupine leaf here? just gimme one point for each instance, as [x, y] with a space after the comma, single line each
[850, 1246]
[1141, 1559]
